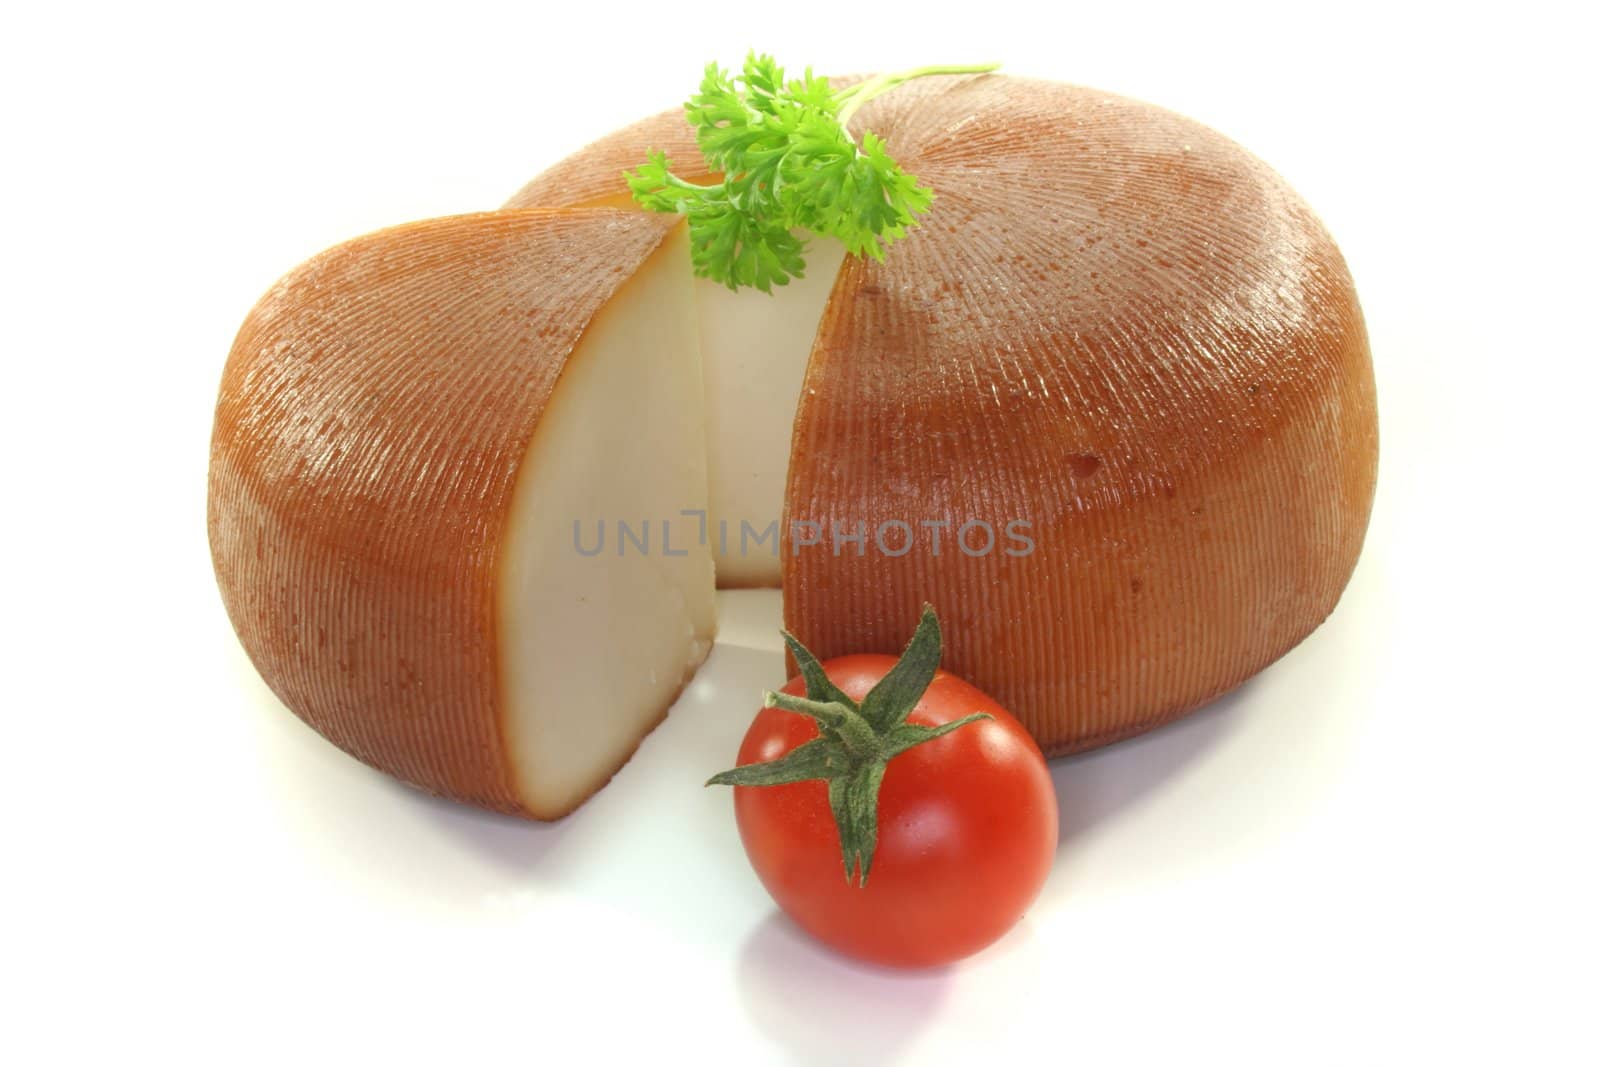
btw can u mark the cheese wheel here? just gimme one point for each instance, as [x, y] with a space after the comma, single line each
[1110, 409]
[410, 429]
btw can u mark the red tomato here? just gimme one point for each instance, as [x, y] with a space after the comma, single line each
[966, 829]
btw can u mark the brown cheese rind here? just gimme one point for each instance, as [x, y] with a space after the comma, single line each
[593, 177]
[1122, 329]
[373, 416]
[1115, 326]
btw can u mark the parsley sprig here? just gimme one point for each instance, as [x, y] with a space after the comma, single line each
[788, 163]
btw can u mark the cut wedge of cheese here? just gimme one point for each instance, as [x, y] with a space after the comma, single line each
[755, 348]
[428, 443]
[1110, 409]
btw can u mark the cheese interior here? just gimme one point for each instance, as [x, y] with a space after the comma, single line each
[680, 398]
[603, 624]
[754, 349]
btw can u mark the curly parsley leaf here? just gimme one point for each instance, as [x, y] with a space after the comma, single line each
[788, 163]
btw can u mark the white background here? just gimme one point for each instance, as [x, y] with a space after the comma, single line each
[1381, 850]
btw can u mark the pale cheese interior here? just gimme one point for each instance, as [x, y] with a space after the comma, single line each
[599, 636]
[754, 349]
[680, 398]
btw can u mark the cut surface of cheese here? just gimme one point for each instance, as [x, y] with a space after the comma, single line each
[754, 350]
[408, 429]
[607, 594]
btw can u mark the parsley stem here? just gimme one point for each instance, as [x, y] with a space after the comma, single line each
[689, 187]
[856, 95]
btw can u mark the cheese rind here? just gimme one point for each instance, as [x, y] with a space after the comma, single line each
[377, 422]
[1119, 328]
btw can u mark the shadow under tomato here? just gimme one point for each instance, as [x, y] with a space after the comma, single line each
[821, 1007]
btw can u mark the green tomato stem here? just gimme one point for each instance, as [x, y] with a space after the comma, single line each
[856, 741]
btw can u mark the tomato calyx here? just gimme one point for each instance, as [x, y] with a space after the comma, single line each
[856, 741]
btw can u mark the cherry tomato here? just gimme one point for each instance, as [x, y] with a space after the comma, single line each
[966, 828]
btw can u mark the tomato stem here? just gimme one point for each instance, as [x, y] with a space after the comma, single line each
[856, 741]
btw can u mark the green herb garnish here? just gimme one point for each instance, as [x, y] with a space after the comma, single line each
[788, 163]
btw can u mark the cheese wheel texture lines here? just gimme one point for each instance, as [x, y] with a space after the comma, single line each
[1109, 408]
[382, 415]
[1117, 334]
